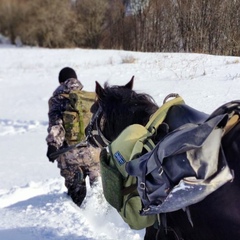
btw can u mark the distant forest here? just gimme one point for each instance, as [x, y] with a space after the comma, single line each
[197, 26]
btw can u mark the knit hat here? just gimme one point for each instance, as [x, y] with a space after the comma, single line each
[66, 73]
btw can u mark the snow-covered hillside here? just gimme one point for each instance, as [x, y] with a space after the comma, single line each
[33, 200]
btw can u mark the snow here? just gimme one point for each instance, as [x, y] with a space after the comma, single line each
[33, 200]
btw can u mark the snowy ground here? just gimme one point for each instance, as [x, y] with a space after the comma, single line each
[33, 200]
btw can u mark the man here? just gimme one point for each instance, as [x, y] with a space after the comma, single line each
[78, 163]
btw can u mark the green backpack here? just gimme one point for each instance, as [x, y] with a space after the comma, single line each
[77, 115]
[119, 188]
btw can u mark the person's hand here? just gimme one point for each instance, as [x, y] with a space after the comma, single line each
[51, 149]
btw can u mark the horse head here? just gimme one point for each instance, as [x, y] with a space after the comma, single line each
[115, 108]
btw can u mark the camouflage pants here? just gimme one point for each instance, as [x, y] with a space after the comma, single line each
[75, 166]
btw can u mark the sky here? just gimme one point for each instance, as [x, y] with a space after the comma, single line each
[33, 200]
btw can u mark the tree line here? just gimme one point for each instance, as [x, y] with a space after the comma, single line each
[201, 26]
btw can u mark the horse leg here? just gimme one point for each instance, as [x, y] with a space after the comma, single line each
[171, 231]
[151, 233]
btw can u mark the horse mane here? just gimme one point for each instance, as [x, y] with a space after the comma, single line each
[125, 105]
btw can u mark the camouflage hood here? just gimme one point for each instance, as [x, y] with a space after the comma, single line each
[68, 85]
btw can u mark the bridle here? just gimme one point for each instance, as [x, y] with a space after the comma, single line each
[94, 133]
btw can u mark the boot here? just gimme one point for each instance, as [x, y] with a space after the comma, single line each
[77, 191]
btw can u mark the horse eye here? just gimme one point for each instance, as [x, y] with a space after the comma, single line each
[94, 108]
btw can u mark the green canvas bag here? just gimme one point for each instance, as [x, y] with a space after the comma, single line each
[119, 188]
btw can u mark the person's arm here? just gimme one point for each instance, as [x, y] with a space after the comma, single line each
[56, 132]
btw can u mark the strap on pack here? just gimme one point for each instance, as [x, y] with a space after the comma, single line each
[157, 118]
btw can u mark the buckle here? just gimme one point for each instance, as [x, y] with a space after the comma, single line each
[142, 185]
[145, 209]
[160, 171]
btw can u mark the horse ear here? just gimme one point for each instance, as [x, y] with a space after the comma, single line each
[129, 85]
[99, 90]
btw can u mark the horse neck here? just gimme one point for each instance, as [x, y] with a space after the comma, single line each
[126, 118]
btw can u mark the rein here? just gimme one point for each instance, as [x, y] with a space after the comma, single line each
[94, 131]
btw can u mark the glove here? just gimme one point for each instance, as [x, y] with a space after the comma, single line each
[51, 149]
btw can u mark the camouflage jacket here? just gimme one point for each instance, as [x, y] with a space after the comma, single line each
[57, 105]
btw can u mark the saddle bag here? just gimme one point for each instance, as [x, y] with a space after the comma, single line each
[187, 165]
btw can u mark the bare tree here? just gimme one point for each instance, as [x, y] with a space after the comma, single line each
[47, 23]
[11, 17]
[115, 25]
[203, 26]
[91, 15]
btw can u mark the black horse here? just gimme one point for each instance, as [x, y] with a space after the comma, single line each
[217, 217]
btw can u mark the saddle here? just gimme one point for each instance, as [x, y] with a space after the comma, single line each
[178, 115]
